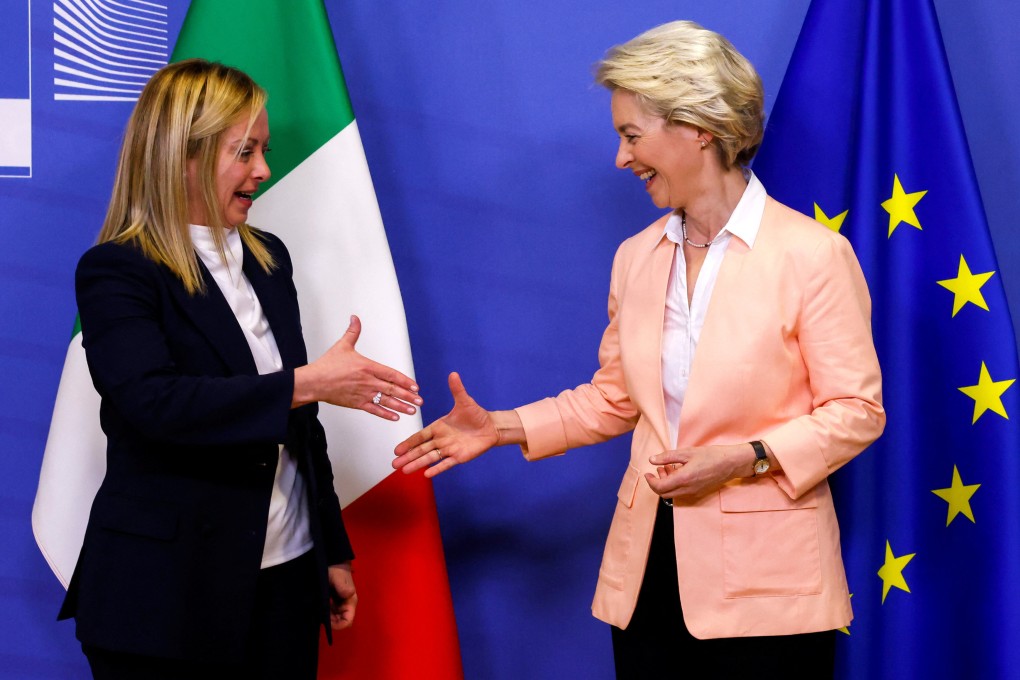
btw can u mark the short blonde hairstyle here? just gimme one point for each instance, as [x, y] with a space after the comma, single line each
[690, 75]
[181, 114]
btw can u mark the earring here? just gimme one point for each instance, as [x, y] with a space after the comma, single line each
[703, 144]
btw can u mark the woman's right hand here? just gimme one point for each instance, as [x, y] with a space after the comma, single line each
[344, 377]
[463, 434]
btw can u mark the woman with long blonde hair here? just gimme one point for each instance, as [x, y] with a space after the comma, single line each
[215, 546]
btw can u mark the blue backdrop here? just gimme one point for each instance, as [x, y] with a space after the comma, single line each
[492, 155]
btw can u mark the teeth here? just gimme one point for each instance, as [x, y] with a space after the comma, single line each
[243, 195]
[647, 175]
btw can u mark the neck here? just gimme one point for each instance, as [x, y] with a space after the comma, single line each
[709, 212]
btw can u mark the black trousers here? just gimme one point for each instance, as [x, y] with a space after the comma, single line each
[283, 641]
[657, 643]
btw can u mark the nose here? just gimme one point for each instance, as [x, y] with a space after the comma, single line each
[623, 155]
[261, 170]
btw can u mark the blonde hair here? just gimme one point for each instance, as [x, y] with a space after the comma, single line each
[690, 75]
[181, 115]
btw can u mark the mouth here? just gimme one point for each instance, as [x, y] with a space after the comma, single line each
[243, 195]
[647, 176]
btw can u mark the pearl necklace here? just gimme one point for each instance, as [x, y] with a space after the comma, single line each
[683, 228]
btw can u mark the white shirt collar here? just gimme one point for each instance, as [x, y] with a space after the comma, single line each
[205, 245]
[744, 222]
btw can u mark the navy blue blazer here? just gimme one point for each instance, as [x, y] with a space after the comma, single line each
[174, 541]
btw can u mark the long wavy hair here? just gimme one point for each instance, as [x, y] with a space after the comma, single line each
[181, 115]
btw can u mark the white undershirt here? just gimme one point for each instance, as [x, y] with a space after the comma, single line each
[287, 533]
[681, 326]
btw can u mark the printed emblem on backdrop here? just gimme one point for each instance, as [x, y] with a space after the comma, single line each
[105, 50]
[16, 92]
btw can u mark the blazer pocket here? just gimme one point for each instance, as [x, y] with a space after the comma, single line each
[628, 487]
[770, 541]
[617, 555]
[137, 517]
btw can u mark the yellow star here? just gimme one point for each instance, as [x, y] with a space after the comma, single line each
[987, 394]
[891, 572]
[846, 629]
[966, 287]
[900, 206]
[833, 223]
[958, 496]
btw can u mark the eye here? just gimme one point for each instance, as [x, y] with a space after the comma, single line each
[631, 138]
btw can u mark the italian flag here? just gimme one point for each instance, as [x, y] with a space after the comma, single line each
[321, 202]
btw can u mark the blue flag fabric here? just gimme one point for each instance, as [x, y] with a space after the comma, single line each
[866, 136]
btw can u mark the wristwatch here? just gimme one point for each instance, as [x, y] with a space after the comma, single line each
[761, 459]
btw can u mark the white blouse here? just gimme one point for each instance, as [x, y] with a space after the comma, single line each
[287, 534]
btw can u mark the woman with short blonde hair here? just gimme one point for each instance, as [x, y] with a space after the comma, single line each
[686, 74]
[723, 557]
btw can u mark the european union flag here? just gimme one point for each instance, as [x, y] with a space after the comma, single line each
[866, 136]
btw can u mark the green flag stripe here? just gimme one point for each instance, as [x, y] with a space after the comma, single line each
[77, 326]
[308, 105]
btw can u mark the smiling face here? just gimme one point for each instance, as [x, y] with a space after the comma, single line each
[669, 158]
[240, 168]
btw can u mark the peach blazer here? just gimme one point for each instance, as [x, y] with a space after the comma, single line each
[786, 356]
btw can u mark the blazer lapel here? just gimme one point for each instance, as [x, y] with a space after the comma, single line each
[723, 321]
[648, 301]
[213, 317]
[281, 310]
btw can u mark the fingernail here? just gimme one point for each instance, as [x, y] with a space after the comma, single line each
[414, 388]
[410, 410]
[418, 400]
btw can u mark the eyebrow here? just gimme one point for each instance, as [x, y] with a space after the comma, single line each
[249, 139]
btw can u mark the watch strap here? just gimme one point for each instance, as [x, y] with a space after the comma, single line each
[759, 454]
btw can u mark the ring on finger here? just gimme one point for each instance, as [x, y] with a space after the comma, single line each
[377, 398]
[439, 455]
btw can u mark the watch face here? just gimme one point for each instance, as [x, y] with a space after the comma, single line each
[761, 466]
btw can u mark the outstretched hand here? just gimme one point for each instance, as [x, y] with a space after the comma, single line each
[344, 377]
[463, 434]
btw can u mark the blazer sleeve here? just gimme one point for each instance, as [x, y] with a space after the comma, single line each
[837, 348]
[120, 296]
[590, 413]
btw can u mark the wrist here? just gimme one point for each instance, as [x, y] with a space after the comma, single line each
[761, 463]
[509, 429]
[304, 386]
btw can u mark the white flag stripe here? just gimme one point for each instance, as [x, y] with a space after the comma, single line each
[326, 212]
[73, 467]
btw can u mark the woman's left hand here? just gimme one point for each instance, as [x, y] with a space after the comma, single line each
[343, 598]
[688, 474]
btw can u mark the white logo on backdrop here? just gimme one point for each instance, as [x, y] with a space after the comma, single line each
[16, 112]
[105, 50]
